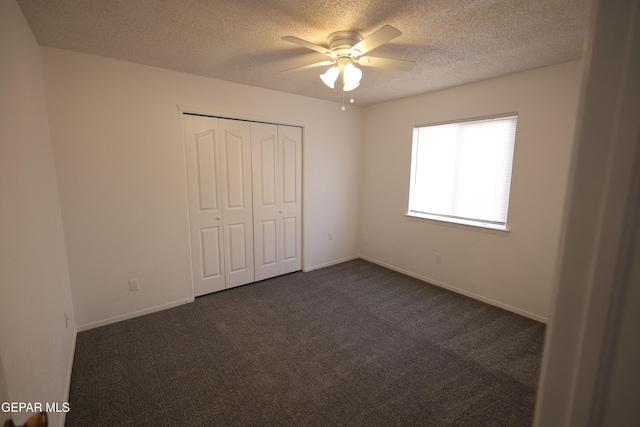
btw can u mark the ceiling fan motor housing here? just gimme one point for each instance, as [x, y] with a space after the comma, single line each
[341, 42]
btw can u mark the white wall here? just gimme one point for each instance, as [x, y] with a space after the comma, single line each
[514, 270]
[36, 347]
[117, 140]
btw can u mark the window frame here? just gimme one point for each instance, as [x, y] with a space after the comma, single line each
[457, 221]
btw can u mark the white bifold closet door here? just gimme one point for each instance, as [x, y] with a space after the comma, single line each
[218, 162]
[276, 152]
[244, 184]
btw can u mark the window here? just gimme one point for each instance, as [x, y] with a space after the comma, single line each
[461, 171]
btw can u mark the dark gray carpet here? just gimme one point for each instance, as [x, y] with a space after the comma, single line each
[350, 345]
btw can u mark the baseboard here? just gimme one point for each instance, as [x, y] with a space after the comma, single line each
[328, 264]
[128, 316]
[458, 290]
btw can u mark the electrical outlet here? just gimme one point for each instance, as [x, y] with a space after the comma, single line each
[330, 236]
[133, 285]
[66, 321]
[438, 258]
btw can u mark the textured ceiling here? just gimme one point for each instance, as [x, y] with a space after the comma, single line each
[453, 41]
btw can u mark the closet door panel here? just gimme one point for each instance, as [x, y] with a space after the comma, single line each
[290, 239]
[289, 148]
[237, 208]
[269, 242]
[267, 168]
[235, 170]
[211, 243]
[237, 237]
[290, 203]
[202, 152]
[264, 153]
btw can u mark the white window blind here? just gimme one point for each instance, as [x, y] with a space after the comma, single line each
[461, 172]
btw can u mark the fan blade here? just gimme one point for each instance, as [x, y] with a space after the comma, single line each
[308, 45]
[376, 39]
[305, 67]
[394, 64]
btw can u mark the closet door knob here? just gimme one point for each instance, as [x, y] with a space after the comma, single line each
[281, 211]
[218, 218]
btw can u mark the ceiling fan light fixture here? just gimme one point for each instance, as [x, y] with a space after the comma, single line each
[345, 49]
[330, 76]
[351, 77]
[346, 88]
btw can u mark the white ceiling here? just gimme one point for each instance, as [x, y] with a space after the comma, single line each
[453, 41]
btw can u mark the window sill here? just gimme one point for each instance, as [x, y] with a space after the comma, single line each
[465, 225]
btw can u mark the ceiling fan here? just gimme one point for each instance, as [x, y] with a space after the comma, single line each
[347, 48]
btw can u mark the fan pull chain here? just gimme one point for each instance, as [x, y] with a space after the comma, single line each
[351, 101]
